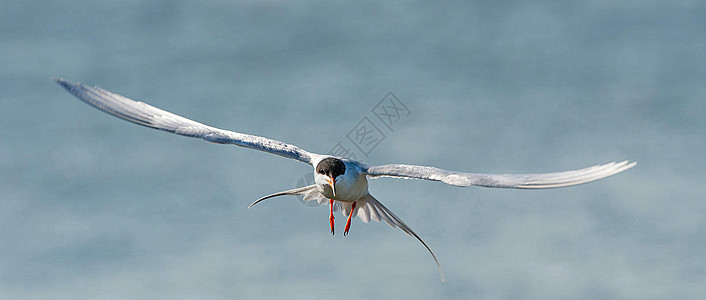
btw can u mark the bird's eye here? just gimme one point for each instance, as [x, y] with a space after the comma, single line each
[321, 171]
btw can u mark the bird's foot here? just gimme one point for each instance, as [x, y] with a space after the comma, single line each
[348, 222]
[330, 217]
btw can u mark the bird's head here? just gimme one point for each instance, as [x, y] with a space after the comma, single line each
[328, 170]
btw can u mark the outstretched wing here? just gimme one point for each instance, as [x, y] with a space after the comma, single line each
[520, 181]
[146, 115]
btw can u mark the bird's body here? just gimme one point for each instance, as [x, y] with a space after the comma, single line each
[341, 183]
[349, 186]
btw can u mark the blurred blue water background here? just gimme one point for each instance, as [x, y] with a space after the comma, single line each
[92, 207]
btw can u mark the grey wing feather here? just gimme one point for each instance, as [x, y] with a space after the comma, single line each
[146, 115]
[520, 181]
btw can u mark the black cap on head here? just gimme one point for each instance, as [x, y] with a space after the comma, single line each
[331, 167]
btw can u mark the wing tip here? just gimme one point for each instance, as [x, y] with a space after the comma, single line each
[65, 83]
[618, 167]
[629, 164]
[72, 87]
[598, 172]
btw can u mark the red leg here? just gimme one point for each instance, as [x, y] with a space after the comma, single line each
[348, 222]
[330, 217]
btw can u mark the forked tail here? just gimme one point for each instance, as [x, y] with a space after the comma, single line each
[367, 208]
[309, 192]
[376, 211]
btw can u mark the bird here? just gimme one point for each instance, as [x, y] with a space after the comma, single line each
[339, 182]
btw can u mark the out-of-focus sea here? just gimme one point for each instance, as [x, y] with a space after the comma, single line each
[92, 207]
